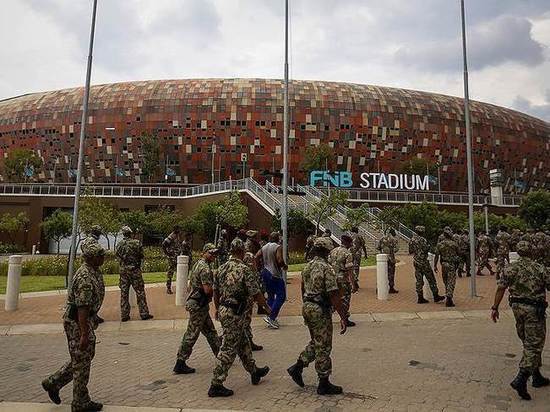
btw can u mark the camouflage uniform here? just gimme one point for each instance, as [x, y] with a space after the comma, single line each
[447, 250]
[483, 252]
[341, 261]
[199, 316]
[388, 245]
[503, 251]
[85, 291]
[91, 243]
[515, 237]
[463, 242]
[358, 245]
[187, 250]
[541, 246]
[223, 250]
[527, 279]
[130, 255]
[319, 279]
[309, 246]
[171, 248]
[235, 284]
[419, 248]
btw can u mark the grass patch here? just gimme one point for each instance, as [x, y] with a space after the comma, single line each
[298, 267]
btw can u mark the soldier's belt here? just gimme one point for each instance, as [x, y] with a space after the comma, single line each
[539, 305]
[238, 308]
[318, 300]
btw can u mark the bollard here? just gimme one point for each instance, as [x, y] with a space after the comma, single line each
[14, 278]
[33, 250]
[513, 256]
[181, 279]
[382, 284]
[132, 298]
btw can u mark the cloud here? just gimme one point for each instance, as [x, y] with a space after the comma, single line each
[539, 110]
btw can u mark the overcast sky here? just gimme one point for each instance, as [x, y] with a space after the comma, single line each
[402, 43]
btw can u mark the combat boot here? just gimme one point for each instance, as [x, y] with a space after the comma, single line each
[350, 323]
[147, 317]
[52, 392]
[421, 299]
[538, 380]
[393, 290]
[295, 372]
[449, 302]
[258, 374]
[520, 384]
[255, 347]
[181, 368]
[327, 388]
[438, 298]
[219, 391]
[90, 407]
[169, 288]
[125, 319]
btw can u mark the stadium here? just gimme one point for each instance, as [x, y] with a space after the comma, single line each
[221, 129]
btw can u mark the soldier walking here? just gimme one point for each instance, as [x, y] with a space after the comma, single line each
[251, 247]
[464, 252]
[92, 241]
[198, 306]
[79, 322]
[503, 250]
[358, 250]
[446, 251]
[234, 285]
[484, 248]
[223, 247]
[130, 256]
[187, 248]
[172, 248]
[389, 245]
[341, 260]
[309, 246]
[320, 295]
[419, 248]
[527, 282]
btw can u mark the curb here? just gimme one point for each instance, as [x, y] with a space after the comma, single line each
[45, 407]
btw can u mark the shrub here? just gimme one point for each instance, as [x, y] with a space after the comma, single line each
[8, 248]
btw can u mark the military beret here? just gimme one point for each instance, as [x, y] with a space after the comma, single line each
[210, 248]
[91, 250]
[323, 243]
[419, 228]
[523, 247]
[126, 230]
[236, 245]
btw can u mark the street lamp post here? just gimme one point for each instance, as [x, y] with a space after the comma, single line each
[284, 208]
[81, 148]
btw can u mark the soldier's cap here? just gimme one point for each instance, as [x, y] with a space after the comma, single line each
[523, 248]
[95, 230]
[237, 245]
[251, 233]
[323, 243]
[448, 229]
[346, 236]
[419, 228]
[92, 250]
[210, 248]
[126, 230]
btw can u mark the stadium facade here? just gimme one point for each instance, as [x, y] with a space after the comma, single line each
[369, 128]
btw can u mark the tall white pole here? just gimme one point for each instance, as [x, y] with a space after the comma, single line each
[81, 148]
[284, 211]
[469, 157]
[213, 154]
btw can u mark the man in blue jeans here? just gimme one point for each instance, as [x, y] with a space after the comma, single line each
[270, 258]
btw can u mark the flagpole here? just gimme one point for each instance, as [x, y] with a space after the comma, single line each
[81, 148]
[284, 211]
[469, 158]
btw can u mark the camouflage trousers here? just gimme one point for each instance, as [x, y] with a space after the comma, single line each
[132, 277]
[463, 260]
[247, 321]
[199, 322]
[234, 342]
[77, 369]
[532, 332]
[483, 262]
[356, 267]
[101, 288]
[345, 294]
[448, 272]
[501, 264]
[421, 270]
[391, 273]
[319, 323]
[172, 266]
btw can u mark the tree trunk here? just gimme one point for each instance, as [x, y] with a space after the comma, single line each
[108, 242]
[58, 245]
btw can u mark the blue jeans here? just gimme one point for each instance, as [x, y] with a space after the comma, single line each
[276, 292]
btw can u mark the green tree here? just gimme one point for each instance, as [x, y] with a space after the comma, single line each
[18, 161]
[232, 211]
[57, 226]
[12, 224]
[298, 223]
[326, 206]
[150, 155]
[135, 220]
[535, 209]
[93, 211]
[317, 157]
[416, 166]
[356, 216]
[161, 222]
[208, 217]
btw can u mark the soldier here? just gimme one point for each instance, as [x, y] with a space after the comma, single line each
[446, 251]
[92, 240]
[419, 248]
[130, 256]
[541, 245]
[187, 249]
[358, 249]
[529, 236]
[515, 237]
[341, 260]
[234, 285]
[502, 240]
[223, 247]
[388, 245]
[198, 306]
[320, 295]
[527, 283]
[79, 322]
[251, 247]
[309, 246]
[484, 247]
[172, 248]
[464, 252]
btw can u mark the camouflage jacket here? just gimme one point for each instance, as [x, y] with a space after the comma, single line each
[514, 239]
[171, 246]
[235, 282]
[84, 291]
[447, 250]
[484, 244]
[526, 278]
[309, 245]
[318, 278]
[129, 253]
[419, 248]
[388, 245]
[201, 275]
[503, 243]
[223, 247]
[250, 261]
[341, 261]
[357, 246]
[464, 244]
[542, 246]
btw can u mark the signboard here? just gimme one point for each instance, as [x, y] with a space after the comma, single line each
[373, 181]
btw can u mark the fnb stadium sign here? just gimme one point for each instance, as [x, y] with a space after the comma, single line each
[379, 181]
